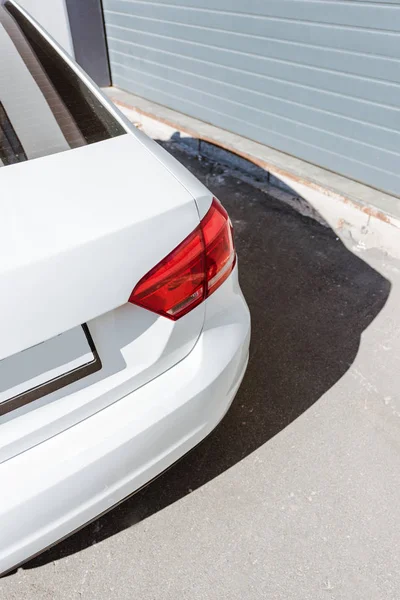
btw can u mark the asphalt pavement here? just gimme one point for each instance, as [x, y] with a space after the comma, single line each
[296, 495]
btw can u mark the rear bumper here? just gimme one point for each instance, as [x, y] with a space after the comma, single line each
[59, 485]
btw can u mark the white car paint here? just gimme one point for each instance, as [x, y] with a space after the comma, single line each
[76, 475]
[78, 230]
[72, 230]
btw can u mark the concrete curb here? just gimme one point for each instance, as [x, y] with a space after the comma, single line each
[362, 217]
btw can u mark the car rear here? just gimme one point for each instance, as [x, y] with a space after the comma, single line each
[124, 331]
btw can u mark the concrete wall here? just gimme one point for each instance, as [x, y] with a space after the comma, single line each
[52, 15]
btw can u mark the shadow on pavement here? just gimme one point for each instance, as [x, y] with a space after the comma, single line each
[310, 300]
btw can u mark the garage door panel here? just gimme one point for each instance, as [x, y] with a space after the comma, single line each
[288, 109]
[136, 15]
[377, 15]
[317, 79]
[267, 121]
[366, 65]
[380, 92]
[271, 88]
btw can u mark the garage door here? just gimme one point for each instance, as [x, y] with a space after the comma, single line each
[317, 79]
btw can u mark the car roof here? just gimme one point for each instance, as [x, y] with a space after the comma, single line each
[45, 106]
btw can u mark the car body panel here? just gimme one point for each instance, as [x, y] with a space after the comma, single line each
[80, 473]
[95, 221]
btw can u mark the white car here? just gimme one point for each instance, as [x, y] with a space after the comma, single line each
[124, 334]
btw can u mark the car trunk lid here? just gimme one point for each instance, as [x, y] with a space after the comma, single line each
[78, 230]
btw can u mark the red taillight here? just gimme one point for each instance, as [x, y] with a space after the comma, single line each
[191, 272]
[220, 252]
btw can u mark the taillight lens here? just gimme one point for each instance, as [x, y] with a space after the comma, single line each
[191, 272]
[220, 252]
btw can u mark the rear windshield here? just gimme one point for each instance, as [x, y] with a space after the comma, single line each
[45, 107]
